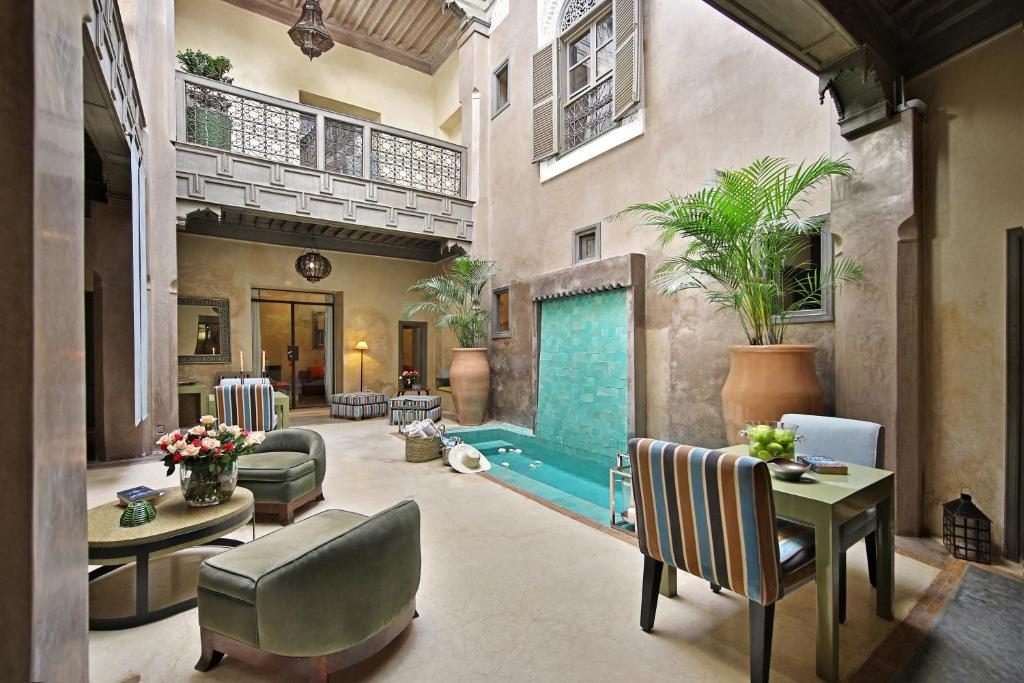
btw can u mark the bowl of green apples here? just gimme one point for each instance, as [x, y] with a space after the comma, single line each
[769, 440]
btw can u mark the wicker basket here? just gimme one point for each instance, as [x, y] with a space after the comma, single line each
[422, 450]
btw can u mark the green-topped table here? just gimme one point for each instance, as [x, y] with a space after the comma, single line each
[826, 502]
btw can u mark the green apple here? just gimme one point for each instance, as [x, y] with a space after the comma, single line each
[783, 436]
[775, 448]
[764, 455]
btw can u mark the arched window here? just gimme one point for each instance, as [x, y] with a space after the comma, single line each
[589, 77]
[573, 11]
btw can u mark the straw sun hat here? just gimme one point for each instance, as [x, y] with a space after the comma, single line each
[468, 460]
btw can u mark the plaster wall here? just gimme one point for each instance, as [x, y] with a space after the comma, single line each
[266, 60]
[447, 104]
[972, 146]
[149, 31]
[44, 599]
[107, 235]
[871, 211]
[716, 97]
[370, 293]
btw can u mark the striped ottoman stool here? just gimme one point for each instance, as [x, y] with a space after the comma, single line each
[359, 406]
[406, 409]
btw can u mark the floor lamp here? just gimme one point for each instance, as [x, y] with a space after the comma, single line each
[361, 347]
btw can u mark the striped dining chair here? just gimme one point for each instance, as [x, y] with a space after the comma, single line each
[250, 406]
[712, 514]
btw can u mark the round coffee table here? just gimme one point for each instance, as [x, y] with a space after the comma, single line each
[177, 526]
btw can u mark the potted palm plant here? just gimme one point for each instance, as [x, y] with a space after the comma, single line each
[453, 298]
[743, 244]
[206, 114]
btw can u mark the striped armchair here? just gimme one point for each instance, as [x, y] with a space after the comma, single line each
[712, 514]
[250, 406]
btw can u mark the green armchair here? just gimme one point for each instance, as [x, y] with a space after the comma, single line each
[285, 472]
[315, 597]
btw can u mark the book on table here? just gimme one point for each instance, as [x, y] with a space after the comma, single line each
[137, 493]
[823, 465]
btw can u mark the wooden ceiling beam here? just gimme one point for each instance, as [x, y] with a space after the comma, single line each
[356, 37]
[411, 20]
[431, 32]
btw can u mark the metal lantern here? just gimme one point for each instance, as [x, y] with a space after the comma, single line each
[966, 531]
[313, 266]
[309, 32]
[620, 495]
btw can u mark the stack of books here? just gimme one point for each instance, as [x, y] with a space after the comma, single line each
[822, 465]
[138, 493]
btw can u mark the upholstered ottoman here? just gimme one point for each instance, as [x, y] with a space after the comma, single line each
[404, 409]
[285, 472]
[359, 406]
[314, 597]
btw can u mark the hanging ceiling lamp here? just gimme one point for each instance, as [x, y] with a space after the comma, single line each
[313, 265]
[309, 32]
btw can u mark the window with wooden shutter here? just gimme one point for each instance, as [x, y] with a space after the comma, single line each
[545, 103]
[628, 56]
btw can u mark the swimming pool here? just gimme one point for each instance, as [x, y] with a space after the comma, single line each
[576, 481]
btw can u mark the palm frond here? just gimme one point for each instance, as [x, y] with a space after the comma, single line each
[739, 236]
[454, 298]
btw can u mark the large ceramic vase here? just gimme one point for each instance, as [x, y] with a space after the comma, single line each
[765, 382]
[471, 384]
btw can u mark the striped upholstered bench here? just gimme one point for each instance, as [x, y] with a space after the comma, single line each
[405, 409]
[359, 405]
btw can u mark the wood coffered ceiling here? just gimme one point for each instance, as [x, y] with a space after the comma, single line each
[419, 34]
[283, 230]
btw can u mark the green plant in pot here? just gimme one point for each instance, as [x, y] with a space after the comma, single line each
[207, 118]
[742, 242]
[454, 299]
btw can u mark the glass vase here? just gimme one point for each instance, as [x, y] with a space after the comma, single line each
[207, 483]
[768, 439]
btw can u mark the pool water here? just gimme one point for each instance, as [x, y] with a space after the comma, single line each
[576, 481]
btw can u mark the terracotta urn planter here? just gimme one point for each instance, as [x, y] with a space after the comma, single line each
[766, 382]
[471, 384]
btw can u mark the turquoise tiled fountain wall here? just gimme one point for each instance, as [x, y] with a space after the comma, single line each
[583, 400]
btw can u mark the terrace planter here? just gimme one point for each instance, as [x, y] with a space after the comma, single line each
[471, 384]
[766, 382]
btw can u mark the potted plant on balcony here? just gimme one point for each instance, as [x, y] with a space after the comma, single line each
[743, 245]
[454, 299]
[207, 121]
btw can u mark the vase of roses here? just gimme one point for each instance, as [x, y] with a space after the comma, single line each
[409, 378]
[205, 457]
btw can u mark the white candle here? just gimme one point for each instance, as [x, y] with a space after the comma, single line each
[241, 361]
[264, 361]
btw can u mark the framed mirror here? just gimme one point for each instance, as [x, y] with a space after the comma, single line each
[204, 330]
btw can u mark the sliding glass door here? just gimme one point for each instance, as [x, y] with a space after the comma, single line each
[293, 342]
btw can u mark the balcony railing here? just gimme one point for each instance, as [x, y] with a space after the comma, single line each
[239, 121]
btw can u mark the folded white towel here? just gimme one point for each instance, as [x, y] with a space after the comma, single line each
[421, 429]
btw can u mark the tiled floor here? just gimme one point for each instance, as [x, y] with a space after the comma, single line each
[514, 591]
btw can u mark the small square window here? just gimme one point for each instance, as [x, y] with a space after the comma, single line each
[814, 260]
[501, 307]
[499, 89]
[586, 244]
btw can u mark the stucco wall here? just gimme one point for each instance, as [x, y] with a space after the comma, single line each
[973, 146]
[266, 60]
[370, 291]
[716, 96]
[873, 212]
[44, 602]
